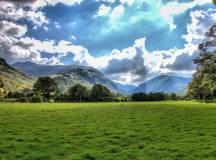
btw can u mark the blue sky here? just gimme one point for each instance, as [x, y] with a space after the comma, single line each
[107, 34]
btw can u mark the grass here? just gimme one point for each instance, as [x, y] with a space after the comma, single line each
[107, 131]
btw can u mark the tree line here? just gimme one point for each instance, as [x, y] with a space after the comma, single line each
[158, 96]
[46, 90]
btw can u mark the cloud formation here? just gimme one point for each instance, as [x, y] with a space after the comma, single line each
[174, 8]
[132, 64]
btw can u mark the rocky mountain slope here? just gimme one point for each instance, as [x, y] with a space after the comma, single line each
[13, 79]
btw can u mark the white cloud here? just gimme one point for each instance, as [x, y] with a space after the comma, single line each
[9, 11]
[117, 11]
[13, 12]
[201, 21]
[42, 3]
[73, 38]
[12, 29]
[174, 8]
[57, 25]
[103, 10]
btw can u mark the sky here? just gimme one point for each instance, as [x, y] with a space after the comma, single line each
[129, 41]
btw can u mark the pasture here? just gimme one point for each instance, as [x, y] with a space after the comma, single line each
[108, 131]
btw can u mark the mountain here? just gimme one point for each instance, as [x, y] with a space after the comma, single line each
[67, 76]
[13, 79]
[85, 75]
[37, 70]
[164, 83]
[126, 88]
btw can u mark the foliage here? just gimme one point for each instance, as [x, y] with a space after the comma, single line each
[203, 86]
[139, 97]
[36, 99]
[46, 87]
[158, 96]
[78, 93]
[173, 96]
[62, 98]
[100, 93]
[23, 99]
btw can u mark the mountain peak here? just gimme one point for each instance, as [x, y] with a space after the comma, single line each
[164, 83]
[3, 62]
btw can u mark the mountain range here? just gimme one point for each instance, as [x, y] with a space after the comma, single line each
[68, 75]
[22, 75]
[164, 83]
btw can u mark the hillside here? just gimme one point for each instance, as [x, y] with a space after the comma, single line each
[126, 88]
[67, 76]
[13, 79]
[87, 76]
[164, 83]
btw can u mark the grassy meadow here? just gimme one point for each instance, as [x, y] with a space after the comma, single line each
[108, 131]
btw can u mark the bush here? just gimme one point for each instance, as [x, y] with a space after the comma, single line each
[23, 99]
[62, 98]
[36, 99]
[139, 97]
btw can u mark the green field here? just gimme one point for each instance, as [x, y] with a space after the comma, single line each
[88, 131]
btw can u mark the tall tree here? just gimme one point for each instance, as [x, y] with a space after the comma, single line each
[78, 93]
[203, 86]
[45, 86]
[100, 93]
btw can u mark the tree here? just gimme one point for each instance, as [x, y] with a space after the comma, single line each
[173, 96]
[203, 85]
[45, 86]
[158, 96]
[78, 93]
[139, 97]
[100, 93]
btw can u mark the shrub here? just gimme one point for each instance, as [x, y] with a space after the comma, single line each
[62, 98]
[23, 99]
[36, 99]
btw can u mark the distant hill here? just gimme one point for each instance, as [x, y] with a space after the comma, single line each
[164, 83]
[126, 88]
[13, 79]
[85, 75]
[37, 70]
[69, 75]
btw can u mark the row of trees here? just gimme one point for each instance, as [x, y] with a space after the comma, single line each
[160, 96]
